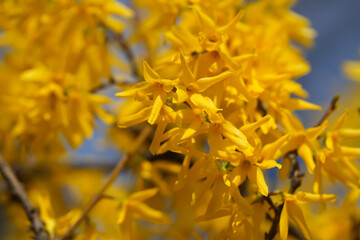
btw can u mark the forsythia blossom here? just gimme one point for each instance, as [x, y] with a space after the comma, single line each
[222, 95]
[54, 65]
[216, 91]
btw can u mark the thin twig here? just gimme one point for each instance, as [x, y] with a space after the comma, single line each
[295, 174]
[261, 108]
[119, 38]
[128, 52]
[355, 229]
[275, 221]
[270, 202]
[37, 226]
[113, 175]
[97, 197]
[102, 86]
[274, 227]
[293, 231]
[332, 107]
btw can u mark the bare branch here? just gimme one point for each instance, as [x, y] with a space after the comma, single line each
[128, 52]
[295, 174]
[332, 107]
[110, 83]
[97, 197]
[113, 175]
[37, 226]
[121, 41]
[274, 226]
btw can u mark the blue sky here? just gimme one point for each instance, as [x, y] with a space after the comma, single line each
[337, 23]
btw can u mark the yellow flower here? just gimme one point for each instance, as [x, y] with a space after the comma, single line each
[56, 226]
[153, 172]
[292, 210]
[335, 159]
[352, 70]
[133, 207]
[154, 91]
[209, 37]
[337, 134]
[305, 141]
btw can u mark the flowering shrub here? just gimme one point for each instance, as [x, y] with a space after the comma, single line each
[204, 116]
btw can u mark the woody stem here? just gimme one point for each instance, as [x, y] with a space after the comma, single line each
[37, 225]
[113, 175]
[121, 41]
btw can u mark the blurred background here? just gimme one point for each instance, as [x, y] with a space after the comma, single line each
[338, 27]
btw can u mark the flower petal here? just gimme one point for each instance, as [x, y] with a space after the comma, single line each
[256, 175]
[191, 130]
[295, 213]
[149, 74]
[251, 127]
[134, 119]
[205, 83]
[235, 135]
[284, 223]
[311, 197]
[152, 215]
[204, 103]
[188, 76]
[305, 153]
[155, 144]
[144, 194]
[314, 132]
[158, 104]
[267, 164]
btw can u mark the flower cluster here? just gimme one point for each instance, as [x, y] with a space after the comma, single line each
[55, 55]
[207, 126]
[223, 95]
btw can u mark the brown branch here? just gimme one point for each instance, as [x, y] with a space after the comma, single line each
[293, 231]
[355, 229]
[295, 174]
[113, 175]
[119, 38]
[332, 107]
[102, 86]
[37, 226]
[97, 197]
[274, 227]
[270, 202]
[128, 52]
[275, 221]
[261, 108]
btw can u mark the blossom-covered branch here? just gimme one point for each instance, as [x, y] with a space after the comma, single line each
[217, 94]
